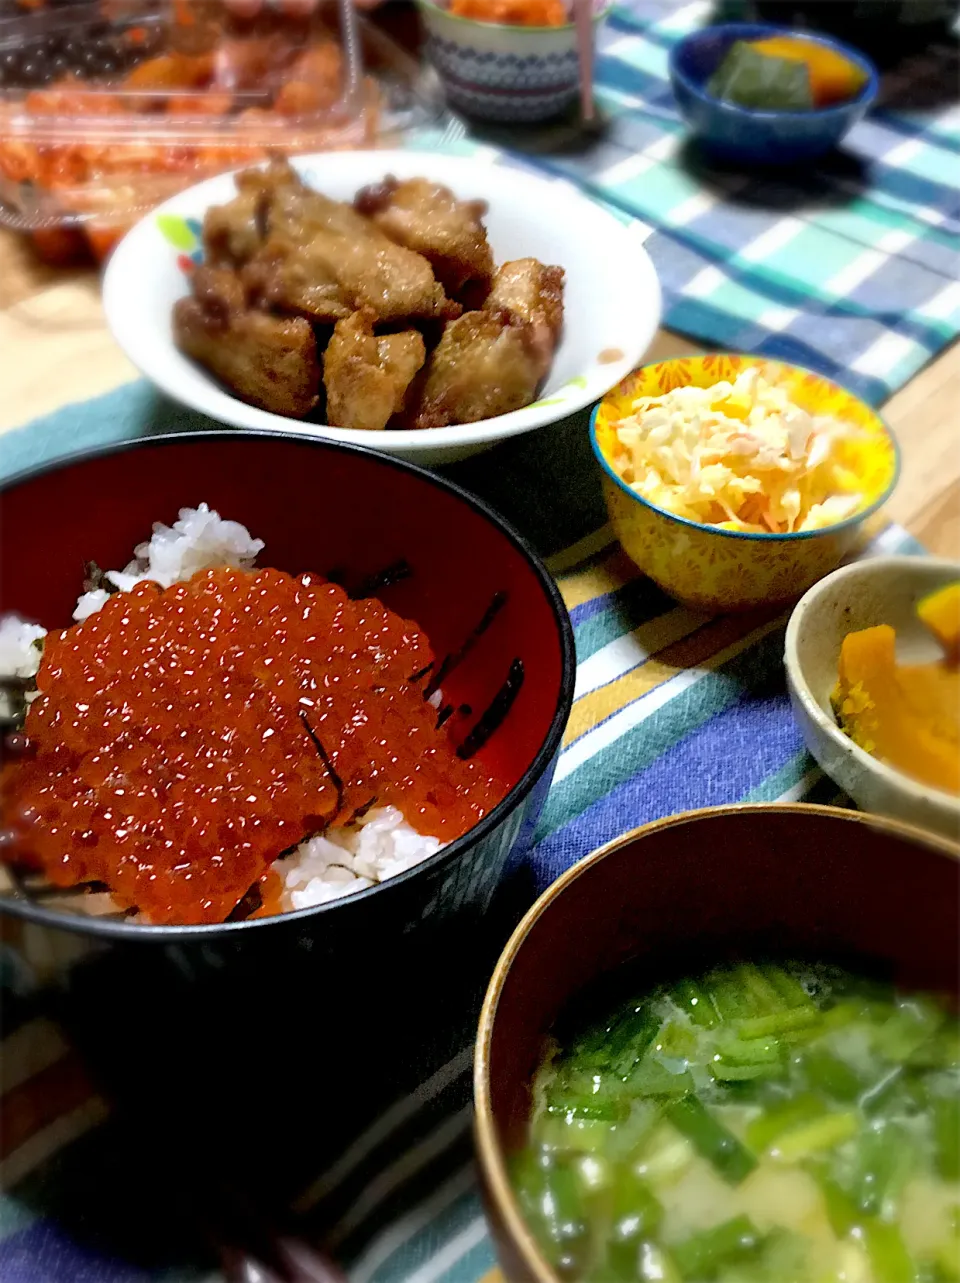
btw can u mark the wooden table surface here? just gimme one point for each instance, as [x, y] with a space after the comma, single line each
[55, 348]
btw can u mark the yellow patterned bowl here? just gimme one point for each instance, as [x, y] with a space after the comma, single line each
[717, 570]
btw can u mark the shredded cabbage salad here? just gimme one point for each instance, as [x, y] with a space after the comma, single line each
[740, 456]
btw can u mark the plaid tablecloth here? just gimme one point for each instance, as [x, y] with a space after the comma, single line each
[850, 266]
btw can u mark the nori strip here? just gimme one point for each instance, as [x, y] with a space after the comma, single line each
[456, 657]
[490, 720]
[249, 903]
[322, 753]
[395, 573]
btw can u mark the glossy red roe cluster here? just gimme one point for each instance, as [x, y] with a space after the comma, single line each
[187, 737]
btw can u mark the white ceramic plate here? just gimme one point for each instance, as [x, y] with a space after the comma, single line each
[611, 299]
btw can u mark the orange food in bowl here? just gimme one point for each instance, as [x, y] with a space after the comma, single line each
[513, 13]
[833, 78]
[907, 715]
[940, 612]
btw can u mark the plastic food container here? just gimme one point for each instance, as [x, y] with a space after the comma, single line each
[108, 108]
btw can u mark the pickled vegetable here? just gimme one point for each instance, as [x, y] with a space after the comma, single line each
[786, 73]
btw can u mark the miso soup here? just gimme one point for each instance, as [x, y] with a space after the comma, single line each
[753, 1124]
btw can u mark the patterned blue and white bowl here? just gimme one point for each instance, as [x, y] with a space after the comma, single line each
[515, 75]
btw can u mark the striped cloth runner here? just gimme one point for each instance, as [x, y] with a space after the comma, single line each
[850, 266]
[672, 711]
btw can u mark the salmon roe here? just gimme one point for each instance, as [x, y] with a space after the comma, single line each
[179, 744]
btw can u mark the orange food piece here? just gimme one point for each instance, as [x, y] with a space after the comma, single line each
[171, 71]
[313, 83]
[515, 13]
[103, 240]
[906, 715]
[940, 611]
[171, 756]
[833, 78]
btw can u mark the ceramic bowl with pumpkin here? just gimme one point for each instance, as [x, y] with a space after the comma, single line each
[713, 568]
[877, 591]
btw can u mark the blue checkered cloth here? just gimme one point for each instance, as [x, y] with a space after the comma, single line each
[850, 266]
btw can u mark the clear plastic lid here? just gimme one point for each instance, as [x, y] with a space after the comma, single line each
[108, 108]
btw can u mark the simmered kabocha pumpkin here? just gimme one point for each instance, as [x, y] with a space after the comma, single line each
[908, 715]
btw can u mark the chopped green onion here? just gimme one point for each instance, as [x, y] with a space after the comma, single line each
[828, 1073]
[789, 988]
[780, 1118]
[636, 1219]
[631, 1037]
[576, 1135]
[889, 1259]
[652, 1078]
[711, 1139]
[946, 1130]
[594, 1108]
[694, 1000]
[704, 1255]
[824, 1133]
[883, 1163]
[842, 1212]
[779, 1022]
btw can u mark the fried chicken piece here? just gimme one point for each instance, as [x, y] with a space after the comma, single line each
[527, 291]
[268, 179]
[323, 260]
[484, 365]
[268, 361]
[427, 218]
[233, 233]
[281, 276]
[297, 212]
[366, 376]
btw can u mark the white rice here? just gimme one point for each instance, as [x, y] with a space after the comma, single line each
[19, 656]
[342, 861]
[199, 540]
[324, 867]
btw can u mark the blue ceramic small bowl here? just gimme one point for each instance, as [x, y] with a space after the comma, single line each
[746, 134]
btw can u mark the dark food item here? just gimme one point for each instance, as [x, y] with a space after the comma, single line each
[94, 52]
[428, 218]
[286, 262]
[484, 365]
[269, 361]
[366, 377]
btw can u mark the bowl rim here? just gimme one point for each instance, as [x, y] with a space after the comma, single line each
[431, 6]
[489, 1152]
[760, 30]
[895, 779]
[762, 536]
[106, 929]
